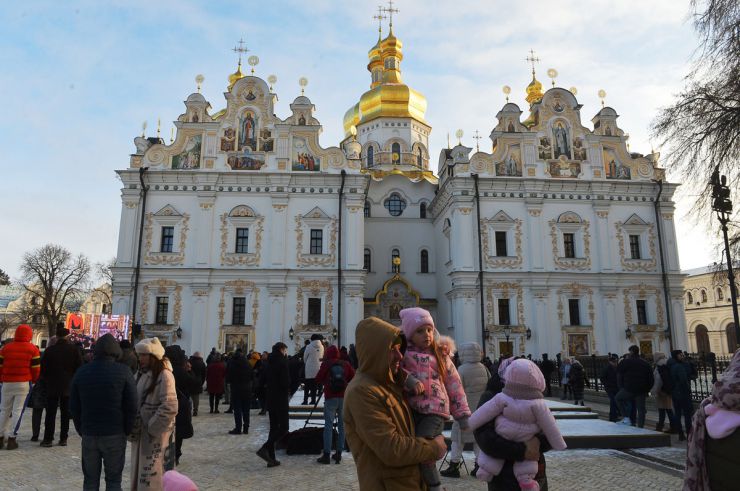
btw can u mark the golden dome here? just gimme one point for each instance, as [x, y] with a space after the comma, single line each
[534, 91]
[236, 76]
[388, 96]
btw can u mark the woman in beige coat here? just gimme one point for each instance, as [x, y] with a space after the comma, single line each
[156, 418]
[662, 392]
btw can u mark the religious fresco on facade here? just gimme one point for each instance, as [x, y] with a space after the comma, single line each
[248, 124]
[303, 159]
[613, 168]
[511, 166]
[563, 168]
[579, 152]
[544, 149]
[228, 141]
[235, 341]
[245, 161]
[267, 143]
[561, 140]
[578, 344]
[189, 158]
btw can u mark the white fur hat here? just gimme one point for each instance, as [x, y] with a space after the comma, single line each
[150, 346]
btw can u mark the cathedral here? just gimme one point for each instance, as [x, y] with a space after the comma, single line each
[244, 231]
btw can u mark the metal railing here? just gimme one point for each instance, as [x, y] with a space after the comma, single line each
[707, 369]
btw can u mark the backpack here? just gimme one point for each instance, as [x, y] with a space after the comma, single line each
[337, 383]
[665, 377]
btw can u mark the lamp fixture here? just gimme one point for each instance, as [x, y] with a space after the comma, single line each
[628, 333]
[334, 333]
[291, 334]
[178, 332]
[529, 333]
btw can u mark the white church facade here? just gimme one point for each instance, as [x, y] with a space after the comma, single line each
[248, 232]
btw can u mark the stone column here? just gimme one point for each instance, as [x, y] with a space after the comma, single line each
[535, 245]
[601, 236]
[354, 234]
[128, 231]
[200, 326]
[272, 321]
[204, 231]
[613, 338]
[542, 330]
[464, 242]
[278, 233]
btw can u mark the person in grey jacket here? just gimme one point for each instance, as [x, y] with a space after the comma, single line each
[474, 376]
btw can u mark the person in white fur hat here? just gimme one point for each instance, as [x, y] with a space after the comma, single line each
[155, 420]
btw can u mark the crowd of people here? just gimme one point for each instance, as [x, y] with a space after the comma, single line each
[388, 397]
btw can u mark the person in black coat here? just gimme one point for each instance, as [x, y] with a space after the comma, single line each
[103, 403]
[186, 382]
[240, 376]
[577, 381]
[198, 367]
[608, 378]
[547, 367]
[58, 366]
[635, 379]
[277, 378]
[498, 447]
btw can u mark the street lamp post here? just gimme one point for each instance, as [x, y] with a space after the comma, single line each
[507, 333]
[722, 205]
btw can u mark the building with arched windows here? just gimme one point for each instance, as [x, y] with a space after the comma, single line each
[708, 307]
[554, 238]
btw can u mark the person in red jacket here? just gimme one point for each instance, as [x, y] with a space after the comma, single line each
[334, 375]
[20, 365]
[215, 377]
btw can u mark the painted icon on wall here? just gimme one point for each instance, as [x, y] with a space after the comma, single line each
[189, 158]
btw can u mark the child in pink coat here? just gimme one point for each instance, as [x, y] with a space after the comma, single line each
[433, 382]
[520, 412]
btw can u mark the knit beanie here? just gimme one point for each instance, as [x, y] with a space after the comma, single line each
[175, 481]
[413, 318]
[524, 380]
[150, 346]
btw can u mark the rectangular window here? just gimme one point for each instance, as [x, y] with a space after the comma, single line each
[242, 241]
[238, 310]
[317, 237]
[635, 246]
[501, 244]
[367, 260]
[314, 311]
[503, 312]
[163, 304]
[424, 260]
[569, 245]
[641, 312]
[575, 311]
[168, 238]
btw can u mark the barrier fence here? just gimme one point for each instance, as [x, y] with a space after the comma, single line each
[707, 367]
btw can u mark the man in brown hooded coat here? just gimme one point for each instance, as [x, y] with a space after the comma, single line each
[378, 422]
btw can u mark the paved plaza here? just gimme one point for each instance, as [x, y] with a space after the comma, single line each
[218, 461]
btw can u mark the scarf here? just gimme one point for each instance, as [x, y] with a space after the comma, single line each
[725, 395]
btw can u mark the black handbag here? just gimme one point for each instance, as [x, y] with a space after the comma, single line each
[37, 400]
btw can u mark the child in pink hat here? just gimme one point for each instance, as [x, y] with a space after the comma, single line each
[520, 412]
[433, 382]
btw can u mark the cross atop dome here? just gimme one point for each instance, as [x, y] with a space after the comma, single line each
[390, 11]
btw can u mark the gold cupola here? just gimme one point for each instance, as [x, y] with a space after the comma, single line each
[534, 90]
[236, 76]
[388, 95]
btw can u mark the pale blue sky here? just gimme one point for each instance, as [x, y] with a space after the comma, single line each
[80, 77]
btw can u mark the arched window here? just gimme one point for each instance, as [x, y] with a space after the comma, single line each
[731, 337]
[395, 204]
[419, 157]
[424, 261]
[423, 210]
[720, 296]
[367, 260]
[703, 296]
[702, 339]
[396, 153]
[690, 298]
[370, 156]
[366, 210]
[396, 268]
